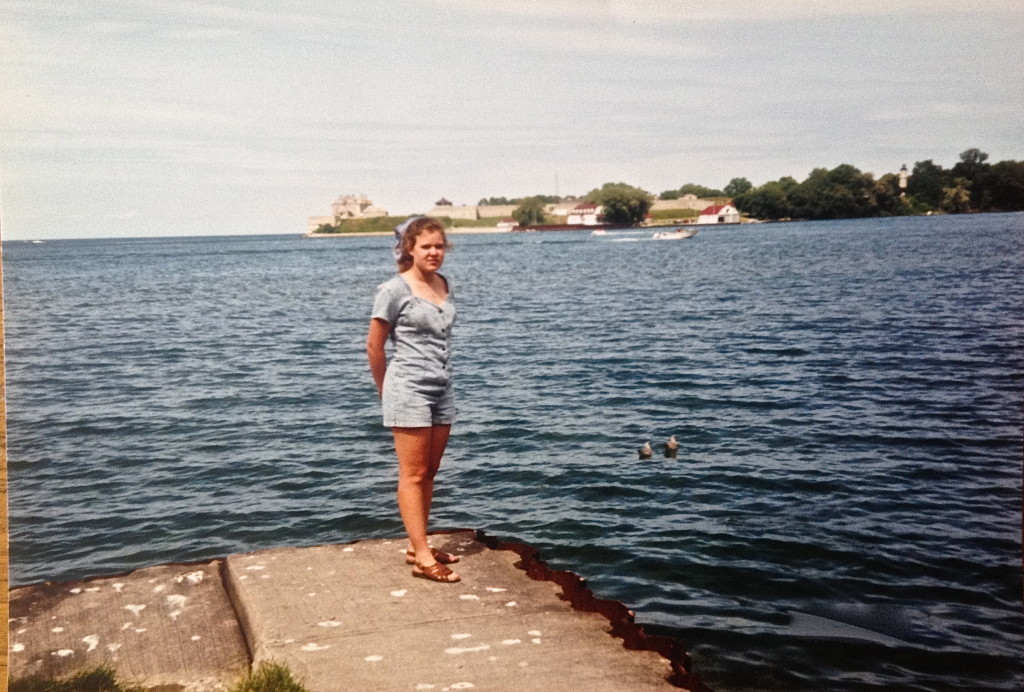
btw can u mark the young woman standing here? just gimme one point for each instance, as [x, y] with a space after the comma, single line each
[416, 310]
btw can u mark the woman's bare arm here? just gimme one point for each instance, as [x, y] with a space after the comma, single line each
[375, 340]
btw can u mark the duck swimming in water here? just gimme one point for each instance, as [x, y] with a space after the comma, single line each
[671, 448]
[646, 451]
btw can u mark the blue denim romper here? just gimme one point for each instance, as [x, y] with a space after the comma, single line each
[418, 390]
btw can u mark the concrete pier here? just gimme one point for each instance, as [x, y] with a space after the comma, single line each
[347, 617]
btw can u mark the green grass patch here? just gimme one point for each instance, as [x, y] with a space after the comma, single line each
[269, 677]
[101, 679]
[375, 224]
[663, 214]
[386, 224]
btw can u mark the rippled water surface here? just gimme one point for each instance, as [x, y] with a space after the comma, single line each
[844, 514]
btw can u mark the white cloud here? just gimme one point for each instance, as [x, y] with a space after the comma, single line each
[266, 13]
[598, 40]
[661, 11]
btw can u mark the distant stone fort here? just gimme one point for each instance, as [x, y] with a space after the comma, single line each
[347, 207]
[361, 207]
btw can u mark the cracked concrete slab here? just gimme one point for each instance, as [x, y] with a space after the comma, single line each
[168, 625]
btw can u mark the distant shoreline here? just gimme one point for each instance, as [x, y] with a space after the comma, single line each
[455, 231]
[468, 230]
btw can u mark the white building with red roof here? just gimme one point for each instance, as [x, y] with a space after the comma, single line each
[719, 213]
[585, 214]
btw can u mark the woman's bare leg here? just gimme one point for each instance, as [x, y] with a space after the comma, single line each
[419, 453]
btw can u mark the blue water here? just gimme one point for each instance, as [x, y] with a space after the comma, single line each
[844, 514]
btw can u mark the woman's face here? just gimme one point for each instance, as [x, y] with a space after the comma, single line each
[428, 252]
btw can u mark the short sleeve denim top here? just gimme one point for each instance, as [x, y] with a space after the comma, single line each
[421, 333]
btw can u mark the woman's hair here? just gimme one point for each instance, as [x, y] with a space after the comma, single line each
[417, 228]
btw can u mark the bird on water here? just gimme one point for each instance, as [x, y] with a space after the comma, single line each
[646, 451]
[671, 448]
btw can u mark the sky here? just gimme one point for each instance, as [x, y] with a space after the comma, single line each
[135, 118]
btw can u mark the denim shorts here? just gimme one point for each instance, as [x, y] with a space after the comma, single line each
[415, 407]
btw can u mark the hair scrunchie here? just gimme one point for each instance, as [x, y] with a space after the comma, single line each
[400, 230]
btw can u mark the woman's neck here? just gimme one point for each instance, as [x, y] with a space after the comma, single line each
[417, 274]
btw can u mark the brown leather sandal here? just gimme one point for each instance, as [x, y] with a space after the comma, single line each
[435, 572]
[439, 555]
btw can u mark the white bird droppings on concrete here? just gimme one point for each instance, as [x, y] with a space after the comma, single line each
[135, 609]
[76, 591]
[511, 604]
[196, 637]
[348, 550]
[455, 650]
[92, 640]
[63, 653]
[140, 630]
[510, 642]
[192, 577]
[496, 589]
[399, 593]
[536, 640]
[159, 588]
[329, 623]
[117, 587]
[463, 686]
[93, 589]
[113, 647]
[461, 636]
[425, 686]
[314, 647]
[256, 568]
[534, 633]
[374, 658]
[176, 601]
[17, 647]
[57, 630]
[469, 597]
[174, 614]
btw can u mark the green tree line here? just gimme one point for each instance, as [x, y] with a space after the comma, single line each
[972, 185]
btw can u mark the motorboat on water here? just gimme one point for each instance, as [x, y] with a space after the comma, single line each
[599, 231]
[676, 233]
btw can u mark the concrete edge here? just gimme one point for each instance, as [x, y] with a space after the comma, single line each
[620, 618]
[118, 575]
[227, 582]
